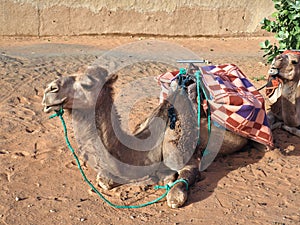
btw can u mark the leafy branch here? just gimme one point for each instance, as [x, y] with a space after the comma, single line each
[285, 23]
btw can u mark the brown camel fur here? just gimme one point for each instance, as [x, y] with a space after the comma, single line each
[285, 108]
[119, 157]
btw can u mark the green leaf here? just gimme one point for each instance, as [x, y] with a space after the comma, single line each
[270, 58]
[285, 12]
[295, 16]
[267, 43]
[274, 14]
[298, 45]
[277, 6]
[282, 45]
[285, 26]
[266, 22]
[262, 45]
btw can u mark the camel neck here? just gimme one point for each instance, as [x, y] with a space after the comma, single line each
[289, 90]
[107, 120]
[290, 100]
[118, 142]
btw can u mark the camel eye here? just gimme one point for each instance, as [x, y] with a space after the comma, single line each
[294, 62]
[88, 82]
[87, 85]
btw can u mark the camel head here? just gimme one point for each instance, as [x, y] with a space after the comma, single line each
[83, 88]
[286, 66]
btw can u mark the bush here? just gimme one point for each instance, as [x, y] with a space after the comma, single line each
[286, 26]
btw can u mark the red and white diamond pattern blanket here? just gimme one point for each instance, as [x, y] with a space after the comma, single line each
[234, 101]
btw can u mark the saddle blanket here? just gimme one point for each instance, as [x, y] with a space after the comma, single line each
[234, 102]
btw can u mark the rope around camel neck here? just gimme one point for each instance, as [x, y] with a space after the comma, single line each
[167, 187]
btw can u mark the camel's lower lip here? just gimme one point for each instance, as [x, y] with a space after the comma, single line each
[48, 109]
[55, 106]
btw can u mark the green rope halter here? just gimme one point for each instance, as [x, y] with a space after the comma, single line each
[166, 187]
[200, 87]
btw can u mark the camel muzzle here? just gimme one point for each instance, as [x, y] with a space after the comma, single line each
[273, 72]
[50, 104]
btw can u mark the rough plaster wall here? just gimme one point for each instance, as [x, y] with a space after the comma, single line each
[153, 17]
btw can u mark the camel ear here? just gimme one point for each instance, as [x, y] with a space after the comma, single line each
[58, 75]
[111, 78]
[97, 72]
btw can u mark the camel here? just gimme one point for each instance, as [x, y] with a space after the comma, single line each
[285, 100]
[120, 157]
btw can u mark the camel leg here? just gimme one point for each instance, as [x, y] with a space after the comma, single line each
[292, 130]
[165, 175]
[178, 193]
[276, 125]
[169, 179]
[271, 117]
[273, 121]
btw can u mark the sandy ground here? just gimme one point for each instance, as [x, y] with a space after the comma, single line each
[40, 183]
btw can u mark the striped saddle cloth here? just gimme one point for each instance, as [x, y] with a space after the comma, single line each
[234, 101]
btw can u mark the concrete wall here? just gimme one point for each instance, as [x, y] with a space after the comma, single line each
[148, 17]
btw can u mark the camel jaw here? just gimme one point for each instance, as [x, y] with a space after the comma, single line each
[54, 106]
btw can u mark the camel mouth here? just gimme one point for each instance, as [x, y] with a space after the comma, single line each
[48, 109]
[273, 72]
[54, 106]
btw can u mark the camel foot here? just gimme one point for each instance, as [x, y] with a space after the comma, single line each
[106, 183]
[177, 196]
[179, 193]
[292, 130]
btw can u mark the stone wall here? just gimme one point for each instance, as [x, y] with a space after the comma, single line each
[133, 17]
